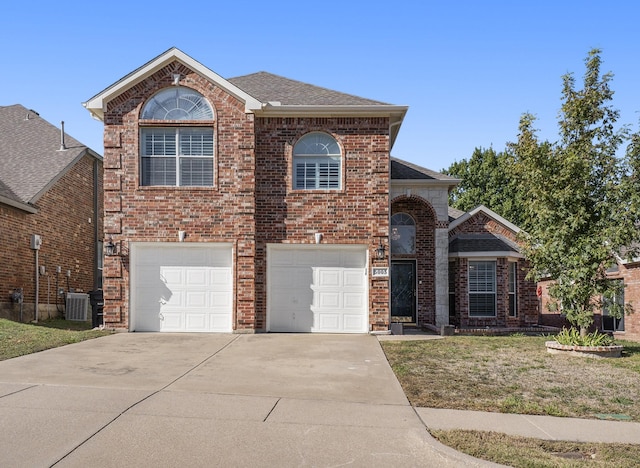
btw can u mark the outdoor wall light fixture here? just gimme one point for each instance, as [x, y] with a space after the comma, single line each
[110, 249]
[380, 251]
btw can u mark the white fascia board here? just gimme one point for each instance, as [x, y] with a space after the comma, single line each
[98, 103]
[271, 109]
[488, 212]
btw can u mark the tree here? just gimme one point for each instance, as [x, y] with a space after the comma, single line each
[488, 178]
[583, 204]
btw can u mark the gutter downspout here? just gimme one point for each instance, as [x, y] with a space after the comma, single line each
[96, 232]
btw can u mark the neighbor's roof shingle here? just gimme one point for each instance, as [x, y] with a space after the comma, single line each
[267, 87]
[30, 156]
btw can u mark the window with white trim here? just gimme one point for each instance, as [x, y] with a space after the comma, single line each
[317, 162]
[177, 155]
[513, 288]
[482, 288]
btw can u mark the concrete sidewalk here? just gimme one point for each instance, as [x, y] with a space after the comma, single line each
[538, 427]
[167, 400]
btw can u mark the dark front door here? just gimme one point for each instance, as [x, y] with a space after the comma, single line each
[403, 291]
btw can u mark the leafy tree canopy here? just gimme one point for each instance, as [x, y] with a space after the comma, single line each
[488, 178]
[582, 201]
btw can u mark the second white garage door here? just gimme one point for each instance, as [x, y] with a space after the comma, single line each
[317, 289]
[179, 287]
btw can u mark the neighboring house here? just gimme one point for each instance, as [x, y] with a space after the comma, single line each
[627, 327]
[261, 203]
[50, 215]
[487, 273]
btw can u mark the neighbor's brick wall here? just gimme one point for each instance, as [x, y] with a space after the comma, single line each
[223, 213]
[357, 214]
[66, 222]
[630, 274]
[424, 216]
[526, 300]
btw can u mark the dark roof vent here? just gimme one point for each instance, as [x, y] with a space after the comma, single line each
[62, 145]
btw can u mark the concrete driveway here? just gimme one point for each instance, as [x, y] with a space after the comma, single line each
[167, 400]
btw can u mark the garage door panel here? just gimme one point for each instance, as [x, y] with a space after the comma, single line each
[314, 289]
[182, 288]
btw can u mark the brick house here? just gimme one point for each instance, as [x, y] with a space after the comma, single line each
[261, 203]
[487, 283]
[50, 215]
[628, 327]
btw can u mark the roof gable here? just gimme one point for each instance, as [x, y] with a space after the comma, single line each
[98, 103]
[31, 157]
[486, 211]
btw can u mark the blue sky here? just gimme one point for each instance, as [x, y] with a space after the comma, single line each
[466, 69]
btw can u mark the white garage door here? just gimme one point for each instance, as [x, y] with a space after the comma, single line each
[181, 288]
[317, 289]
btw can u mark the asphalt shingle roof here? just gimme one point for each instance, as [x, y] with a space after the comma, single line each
[403, 170]
[267, 87]
[30, 156]
[481, 243]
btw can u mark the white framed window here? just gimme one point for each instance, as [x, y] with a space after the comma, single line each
[317, 162]
[403, 234]
[177, 155]
[482, 288]
[513, 289]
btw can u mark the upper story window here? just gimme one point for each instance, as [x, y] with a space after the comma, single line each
[177, 154]
[317, 162]
[403, 234]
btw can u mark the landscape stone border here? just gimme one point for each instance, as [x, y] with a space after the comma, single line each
[613, 351]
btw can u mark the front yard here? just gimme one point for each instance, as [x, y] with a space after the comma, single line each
[17, 339]
[515, 374]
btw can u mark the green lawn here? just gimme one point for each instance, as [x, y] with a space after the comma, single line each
[17, 339]
[515, 374]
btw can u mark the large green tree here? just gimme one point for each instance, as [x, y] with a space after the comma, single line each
[488, 178]
[582, 207]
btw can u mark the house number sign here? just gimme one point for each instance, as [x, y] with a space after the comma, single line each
[380, 271]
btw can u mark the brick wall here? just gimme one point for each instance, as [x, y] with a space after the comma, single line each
[66, 222]
[357, 214]
[223, 213]
[630, 274]
[526, 300]
[425, 256]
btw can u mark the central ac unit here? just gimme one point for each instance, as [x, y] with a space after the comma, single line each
[77, 307]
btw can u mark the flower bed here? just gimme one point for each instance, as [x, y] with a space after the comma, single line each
[612, 351]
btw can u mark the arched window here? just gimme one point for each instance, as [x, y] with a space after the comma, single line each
[403, 234]
[317, 162]
[177, 154]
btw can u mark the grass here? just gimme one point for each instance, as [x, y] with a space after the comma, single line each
[18, 339]
[522, 452]
[515, 374]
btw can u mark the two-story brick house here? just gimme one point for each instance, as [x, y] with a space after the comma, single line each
[50, 216]
[255, 203]
[261, 203]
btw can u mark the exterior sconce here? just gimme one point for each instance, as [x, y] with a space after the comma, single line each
[182, 235]
[110, 249]
[318, 237]
[380, 250]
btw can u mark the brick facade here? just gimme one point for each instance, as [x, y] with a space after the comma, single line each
[630, 274]
[526, 300]
[68, 225]
[425, 256]
[251, 203]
